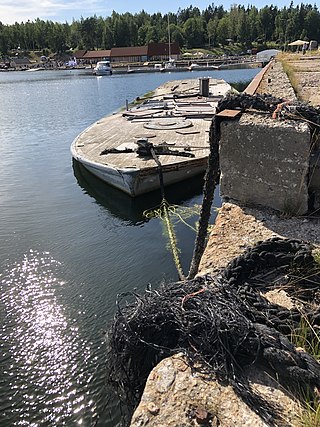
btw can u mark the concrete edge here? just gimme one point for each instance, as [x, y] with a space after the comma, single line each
[255, 83]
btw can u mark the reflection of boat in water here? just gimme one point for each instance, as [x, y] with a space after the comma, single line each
[131, 209]
[169, 131]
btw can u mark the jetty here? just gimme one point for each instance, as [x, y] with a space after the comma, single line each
[195, 65]
[280, 195]
[268, 224]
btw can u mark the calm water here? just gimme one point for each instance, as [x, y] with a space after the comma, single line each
[69, 244]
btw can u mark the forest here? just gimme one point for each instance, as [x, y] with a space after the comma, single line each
[190, 27]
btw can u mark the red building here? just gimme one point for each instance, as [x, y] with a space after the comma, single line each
[151, 52]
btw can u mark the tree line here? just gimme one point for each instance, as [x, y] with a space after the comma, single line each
[190, 27]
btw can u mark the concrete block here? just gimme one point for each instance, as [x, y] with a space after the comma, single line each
[265, 161]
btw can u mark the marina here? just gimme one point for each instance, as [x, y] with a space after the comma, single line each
[169, 131]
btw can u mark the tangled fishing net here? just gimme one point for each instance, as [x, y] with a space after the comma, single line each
[221, 324]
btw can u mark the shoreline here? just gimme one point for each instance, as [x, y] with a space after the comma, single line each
[128, 69]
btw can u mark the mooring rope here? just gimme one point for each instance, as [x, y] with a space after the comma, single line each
[223, 323]
[210, 182]
[165, 214]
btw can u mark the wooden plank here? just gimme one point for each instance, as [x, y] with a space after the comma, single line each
[253, 86]
[229, 113]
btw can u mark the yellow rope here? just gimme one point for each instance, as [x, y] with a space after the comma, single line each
[166, 212]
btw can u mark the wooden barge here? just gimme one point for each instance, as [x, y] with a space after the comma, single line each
[169, 131]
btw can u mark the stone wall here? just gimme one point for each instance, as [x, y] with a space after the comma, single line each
[175, 397]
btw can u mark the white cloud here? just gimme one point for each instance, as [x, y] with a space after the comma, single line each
[25, 10]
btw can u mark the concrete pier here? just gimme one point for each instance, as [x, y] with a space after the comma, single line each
[270, 172]
[269, 162]
[265, 162]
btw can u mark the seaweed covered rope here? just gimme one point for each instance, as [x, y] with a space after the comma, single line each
[279, 108]
[210, 182]
[222, 323]
[165, 211]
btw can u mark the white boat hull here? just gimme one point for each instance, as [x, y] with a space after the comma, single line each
[102, 73]
[135, 182]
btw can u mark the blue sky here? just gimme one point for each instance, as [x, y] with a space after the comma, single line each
[65, 10]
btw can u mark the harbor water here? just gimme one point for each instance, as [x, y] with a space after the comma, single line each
[69, 244]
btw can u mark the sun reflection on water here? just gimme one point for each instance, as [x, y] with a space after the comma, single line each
[43, 359]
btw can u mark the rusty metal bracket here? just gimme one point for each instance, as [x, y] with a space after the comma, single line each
[231, 114]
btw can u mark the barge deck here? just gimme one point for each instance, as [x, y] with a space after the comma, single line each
[174, 124]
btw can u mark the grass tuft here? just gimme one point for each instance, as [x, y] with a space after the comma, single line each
[306, 337]
[289, 70]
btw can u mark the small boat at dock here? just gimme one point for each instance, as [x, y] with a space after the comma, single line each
[103, 68]
[168, 131]
[199, 67]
